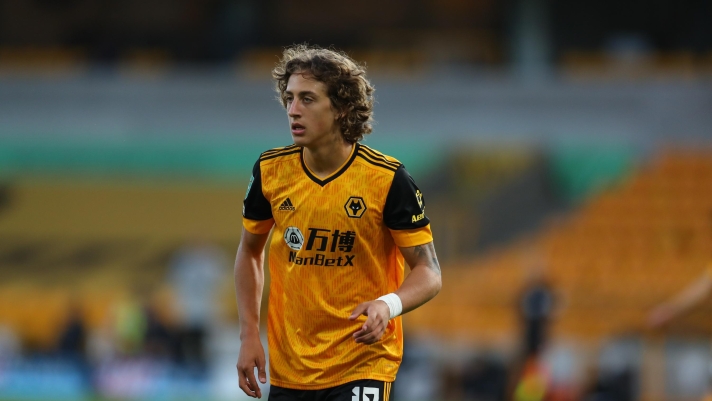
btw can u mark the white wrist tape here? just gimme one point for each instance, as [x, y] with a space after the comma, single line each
[394, 304]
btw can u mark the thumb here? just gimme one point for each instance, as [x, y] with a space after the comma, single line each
[360, 310]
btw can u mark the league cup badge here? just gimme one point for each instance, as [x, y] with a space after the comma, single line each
[294, 238]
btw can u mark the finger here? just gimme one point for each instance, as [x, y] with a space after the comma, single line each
[361, 332]
[368, 336]
[364, 332]
[261, 372]
[366, 339]
[253, 383]
[358, 311]
[244, 385]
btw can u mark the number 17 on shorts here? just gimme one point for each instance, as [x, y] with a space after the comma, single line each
[368, 393]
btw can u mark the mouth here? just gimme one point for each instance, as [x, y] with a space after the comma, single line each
[297, 129]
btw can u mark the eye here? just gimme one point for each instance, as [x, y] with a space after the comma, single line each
[308, 100]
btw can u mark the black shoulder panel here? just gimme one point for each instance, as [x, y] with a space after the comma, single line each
[256, 206]
[405, 206]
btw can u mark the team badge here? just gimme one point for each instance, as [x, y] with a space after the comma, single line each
[294, 238]
[355, 207]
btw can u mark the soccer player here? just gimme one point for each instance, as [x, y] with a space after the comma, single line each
[343, 217]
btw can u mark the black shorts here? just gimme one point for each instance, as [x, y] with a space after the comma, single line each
[359, 390]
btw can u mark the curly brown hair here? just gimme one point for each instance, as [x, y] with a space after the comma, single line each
[347, 87]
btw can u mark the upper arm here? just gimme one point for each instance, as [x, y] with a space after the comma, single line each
[421, 256]
[253, 244]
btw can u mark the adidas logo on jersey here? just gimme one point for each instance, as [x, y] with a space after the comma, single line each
[287, 205]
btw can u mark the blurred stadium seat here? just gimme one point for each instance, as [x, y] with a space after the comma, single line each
[613, 258]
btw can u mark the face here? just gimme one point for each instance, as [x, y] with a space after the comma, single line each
[312, 118]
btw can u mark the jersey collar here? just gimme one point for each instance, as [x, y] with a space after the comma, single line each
[333, 175]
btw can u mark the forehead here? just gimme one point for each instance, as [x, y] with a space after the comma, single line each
[301, 82]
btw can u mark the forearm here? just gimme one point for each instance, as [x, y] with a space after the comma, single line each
[424, 281]
[420, 286]
[249, 282]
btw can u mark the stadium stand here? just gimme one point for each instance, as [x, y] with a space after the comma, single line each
[611, 260]
[96, 243]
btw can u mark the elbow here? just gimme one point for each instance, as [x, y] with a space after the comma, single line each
[437, 285]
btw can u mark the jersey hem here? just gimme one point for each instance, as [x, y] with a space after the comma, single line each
[302, 386]
[408, 238]
[257, 226]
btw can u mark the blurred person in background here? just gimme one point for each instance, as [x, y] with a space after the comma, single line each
[689, 297]
[73, 343]
[196, 273]
[610, 386]
[345, 217]
[484, 378]
[73, 336]
[536, 308]
[159, 338]
[10, 347]
[129, 324]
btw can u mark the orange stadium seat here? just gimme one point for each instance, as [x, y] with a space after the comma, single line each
[620, 254]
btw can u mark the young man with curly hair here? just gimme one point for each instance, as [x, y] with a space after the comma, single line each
[344, 218]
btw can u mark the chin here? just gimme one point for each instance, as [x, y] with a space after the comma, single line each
[300, 141]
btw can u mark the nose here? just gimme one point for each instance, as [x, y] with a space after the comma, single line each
[293, 109]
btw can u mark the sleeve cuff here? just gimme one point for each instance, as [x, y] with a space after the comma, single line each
[408, 238]
[257, 226]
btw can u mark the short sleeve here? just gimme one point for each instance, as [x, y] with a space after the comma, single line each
[256, 209]
[404, 212]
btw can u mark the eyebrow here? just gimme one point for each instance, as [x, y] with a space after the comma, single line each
[302, 93]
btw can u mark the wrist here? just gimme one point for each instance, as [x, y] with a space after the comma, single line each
[395, 306]
[247, 332]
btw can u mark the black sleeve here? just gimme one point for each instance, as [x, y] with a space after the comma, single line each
[256, 206]
[405, 206]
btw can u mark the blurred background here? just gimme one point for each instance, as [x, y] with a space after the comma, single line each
[564, 149]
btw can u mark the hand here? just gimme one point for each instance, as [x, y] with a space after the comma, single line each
[252, 355]
[378, 314]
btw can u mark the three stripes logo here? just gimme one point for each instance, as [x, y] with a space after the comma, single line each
[287, 205]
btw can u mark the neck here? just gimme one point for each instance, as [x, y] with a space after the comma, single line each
[326, 159]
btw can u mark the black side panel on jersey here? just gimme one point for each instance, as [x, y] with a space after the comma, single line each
[256, 206]
[403, 211]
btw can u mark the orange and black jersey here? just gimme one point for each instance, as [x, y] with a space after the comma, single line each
[335, 245]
